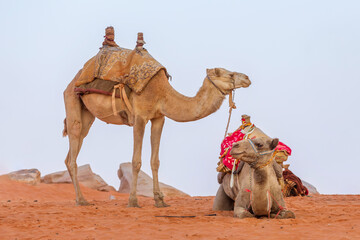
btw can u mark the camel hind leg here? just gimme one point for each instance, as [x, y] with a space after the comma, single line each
[222, 202]
[78, 123]
[138, 131]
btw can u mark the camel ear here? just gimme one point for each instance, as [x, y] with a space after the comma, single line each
[217, 72]
[211, 72]
[274, 143]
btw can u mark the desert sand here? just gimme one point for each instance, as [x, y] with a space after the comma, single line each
[48, 211]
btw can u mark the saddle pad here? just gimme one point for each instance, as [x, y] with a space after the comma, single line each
[131, 67]
[100, 86]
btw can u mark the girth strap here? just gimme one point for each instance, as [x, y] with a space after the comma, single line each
[123, 97]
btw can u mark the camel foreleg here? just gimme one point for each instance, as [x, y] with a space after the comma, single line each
[157, 125]
[242, 202]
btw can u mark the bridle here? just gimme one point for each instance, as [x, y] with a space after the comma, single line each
[231, 100]
[215, 85]
[256, 151]
[207, 76]
[262, 153]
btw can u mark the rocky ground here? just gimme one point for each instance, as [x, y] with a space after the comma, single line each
[48, 211]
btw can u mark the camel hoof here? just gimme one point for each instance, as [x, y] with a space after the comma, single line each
[289, 214]
[82, 202]
[161, 204]
[133, 203]
[286, 214]
[243, 214]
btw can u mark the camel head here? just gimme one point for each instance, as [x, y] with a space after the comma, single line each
[256, 152]
[227, 81]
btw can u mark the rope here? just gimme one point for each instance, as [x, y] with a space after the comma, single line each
[267, 163]
[280, 207]
[231, 107]
[248, 207]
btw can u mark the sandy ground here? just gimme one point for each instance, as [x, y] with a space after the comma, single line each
[48, 211]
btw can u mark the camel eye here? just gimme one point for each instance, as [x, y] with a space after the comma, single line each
[259, 145]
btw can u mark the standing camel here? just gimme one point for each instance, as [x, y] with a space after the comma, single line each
[157, 100]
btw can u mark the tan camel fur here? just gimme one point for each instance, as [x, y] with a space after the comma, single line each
[256, 191]
[157, 100]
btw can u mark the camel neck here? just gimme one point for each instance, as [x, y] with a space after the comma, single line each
[181, 108]
[260, 187]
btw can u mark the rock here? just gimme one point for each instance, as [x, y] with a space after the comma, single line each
[29, 176]
[145, 183]
[85, 176]
[311, 188]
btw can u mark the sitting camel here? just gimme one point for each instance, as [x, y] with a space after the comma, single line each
[256, 191]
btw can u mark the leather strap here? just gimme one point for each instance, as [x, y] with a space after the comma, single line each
[123, 97]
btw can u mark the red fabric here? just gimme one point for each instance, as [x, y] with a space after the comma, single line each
[227, 143]
[289, 175]
[236, 136]
[282, 147]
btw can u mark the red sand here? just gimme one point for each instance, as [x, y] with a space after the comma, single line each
[48, 211]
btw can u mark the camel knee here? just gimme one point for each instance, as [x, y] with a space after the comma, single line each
[70, 164]
[74, 129]
[136, 166]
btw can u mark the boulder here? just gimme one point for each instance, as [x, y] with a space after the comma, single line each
[145, 183]
[85, 176]
[29, 176]
[311, 188]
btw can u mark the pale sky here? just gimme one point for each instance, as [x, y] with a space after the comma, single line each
[302, 57]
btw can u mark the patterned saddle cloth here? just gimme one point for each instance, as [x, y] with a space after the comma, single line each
[120, 65]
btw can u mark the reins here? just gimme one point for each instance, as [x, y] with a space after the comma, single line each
[231, 101]
[231, 107]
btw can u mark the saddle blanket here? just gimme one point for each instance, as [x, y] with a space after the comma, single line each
[236, 136]
[100, 86]
[131, 67]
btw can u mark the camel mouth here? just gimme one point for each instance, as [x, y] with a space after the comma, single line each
[247, 83]
[243, 84]
[237, 155]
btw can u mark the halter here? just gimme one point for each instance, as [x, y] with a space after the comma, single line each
[262, 153]
[256, 151]
[233, 83]
[215, 85]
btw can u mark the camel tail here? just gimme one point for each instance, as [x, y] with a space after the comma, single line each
[65, 129]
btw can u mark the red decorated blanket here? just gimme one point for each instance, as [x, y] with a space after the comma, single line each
[236, 136]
